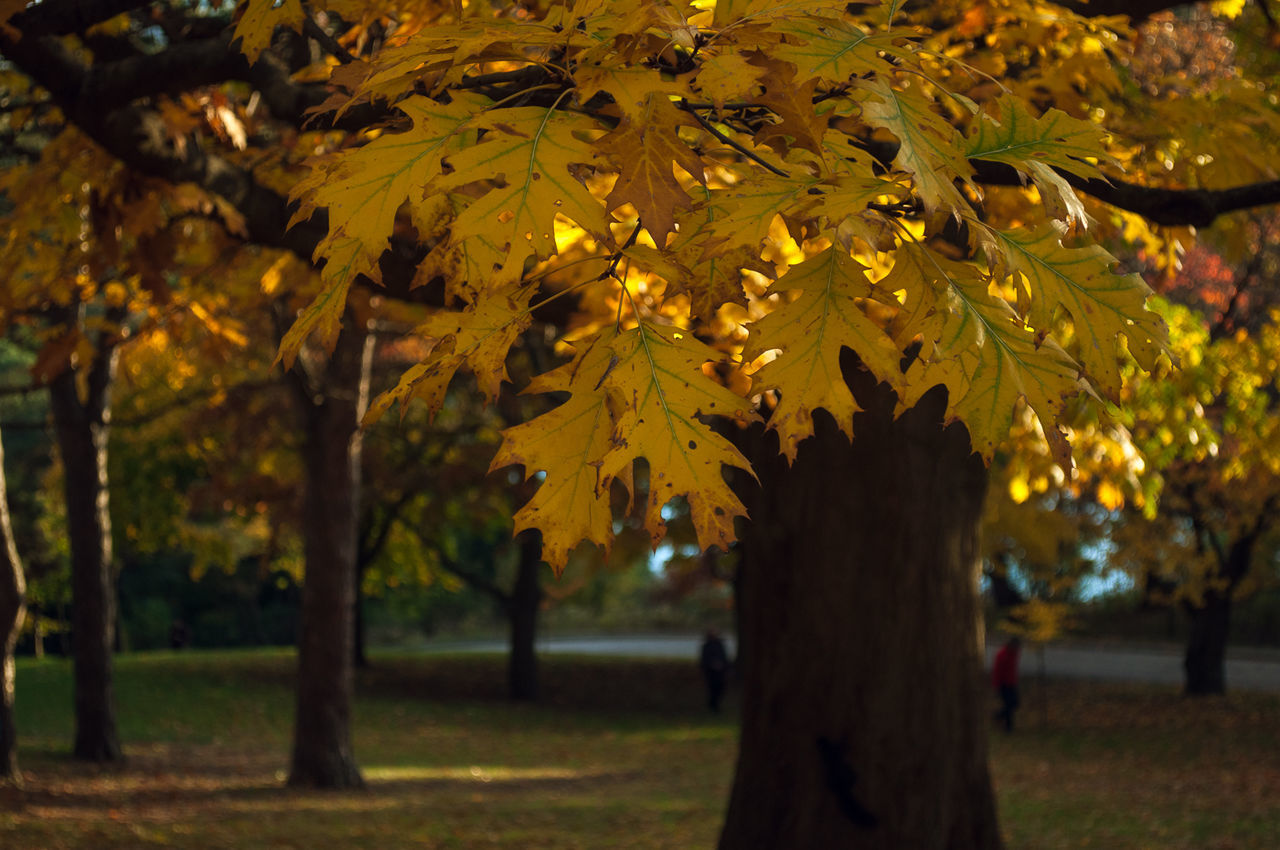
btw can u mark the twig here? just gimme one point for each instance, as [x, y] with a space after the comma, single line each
[706, 125]
[327, 41]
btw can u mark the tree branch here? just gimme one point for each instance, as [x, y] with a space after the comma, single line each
[1135, 10]
[1171, 207]
[64, 17]
[474, 579]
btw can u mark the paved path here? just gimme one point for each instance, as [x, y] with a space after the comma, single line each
[1158, 665]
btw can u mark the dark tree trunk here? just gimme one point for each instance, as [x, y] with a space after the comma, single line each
[522, 611]
[322, 752]
[83, 428]
[864, 707]
[13, 595]
[1205, 659]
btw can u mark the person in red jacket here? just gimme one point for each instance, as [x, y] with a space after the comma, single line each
[1004, 676]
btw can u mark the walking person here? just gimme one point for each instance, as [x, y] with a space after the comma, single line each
[714, 661]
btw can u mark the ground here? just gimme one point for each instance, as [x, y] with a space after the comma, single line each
[622, 756]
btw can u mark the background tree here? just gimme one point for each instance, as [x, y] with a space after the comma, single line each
[13, 608]
[1207, 430]
[81, 265]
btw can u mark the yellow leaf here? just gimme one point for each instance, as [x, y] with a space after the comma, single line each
[479, 337]
[364, 187]
[259, 20]
[658, 396]
[724, 77]
[742, 215]
[989, 361]
[833, 50]
[1036, 146]
[930, 149]
[572, 503]
[323, 316]
[533, 152]
[633, 88]
[811, 331]
[1103, 305]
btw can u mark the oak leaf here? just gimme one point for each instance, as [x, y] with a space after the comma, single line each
[364, 187]
[930, 148]
[258, 24]
[478, 337]
[643, 151]
[531, 153]
[659, 398]
[1103, 305]
[811, 331]
[566, 444]
[989, 361]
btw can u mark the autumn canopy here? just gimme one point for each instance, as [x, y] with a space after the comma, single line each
[737, 193]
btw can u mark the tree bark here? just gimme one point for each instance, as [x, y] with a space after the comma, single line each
[1206, 655]
[322, 752]
[83, 427]
[13, 595]
[864, 707]
[522, 612]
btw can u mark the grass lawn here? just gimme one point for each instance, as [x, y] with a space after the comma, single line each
[621, 755]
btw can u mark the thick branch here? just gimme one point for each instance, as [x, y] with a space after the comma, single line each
[1171, 207]
[1135, 10]
[64, 17]
[476, 580]
[190, 65]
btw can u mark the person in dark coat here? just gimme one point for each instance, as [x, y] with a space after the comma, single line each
[1004, 678]
[714, 661]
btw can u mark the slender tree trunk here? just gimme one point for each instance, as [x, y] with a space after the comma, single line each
[1205, 659]
[864, 708]
[522, 611]
[37, 632]
[322, 752]
[360, 653]
[13, 595]
[83, 427]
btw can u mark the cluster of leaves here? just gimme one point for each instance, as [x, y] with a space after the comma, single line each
[1210, 431]
[663, 162]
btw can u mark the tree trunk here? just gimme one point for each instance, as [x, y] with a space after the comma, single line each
[1205, 659]
[83, 427]
[322, 753]
[864, 706]
[522, 611]
[360, 651]
[13, 594]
